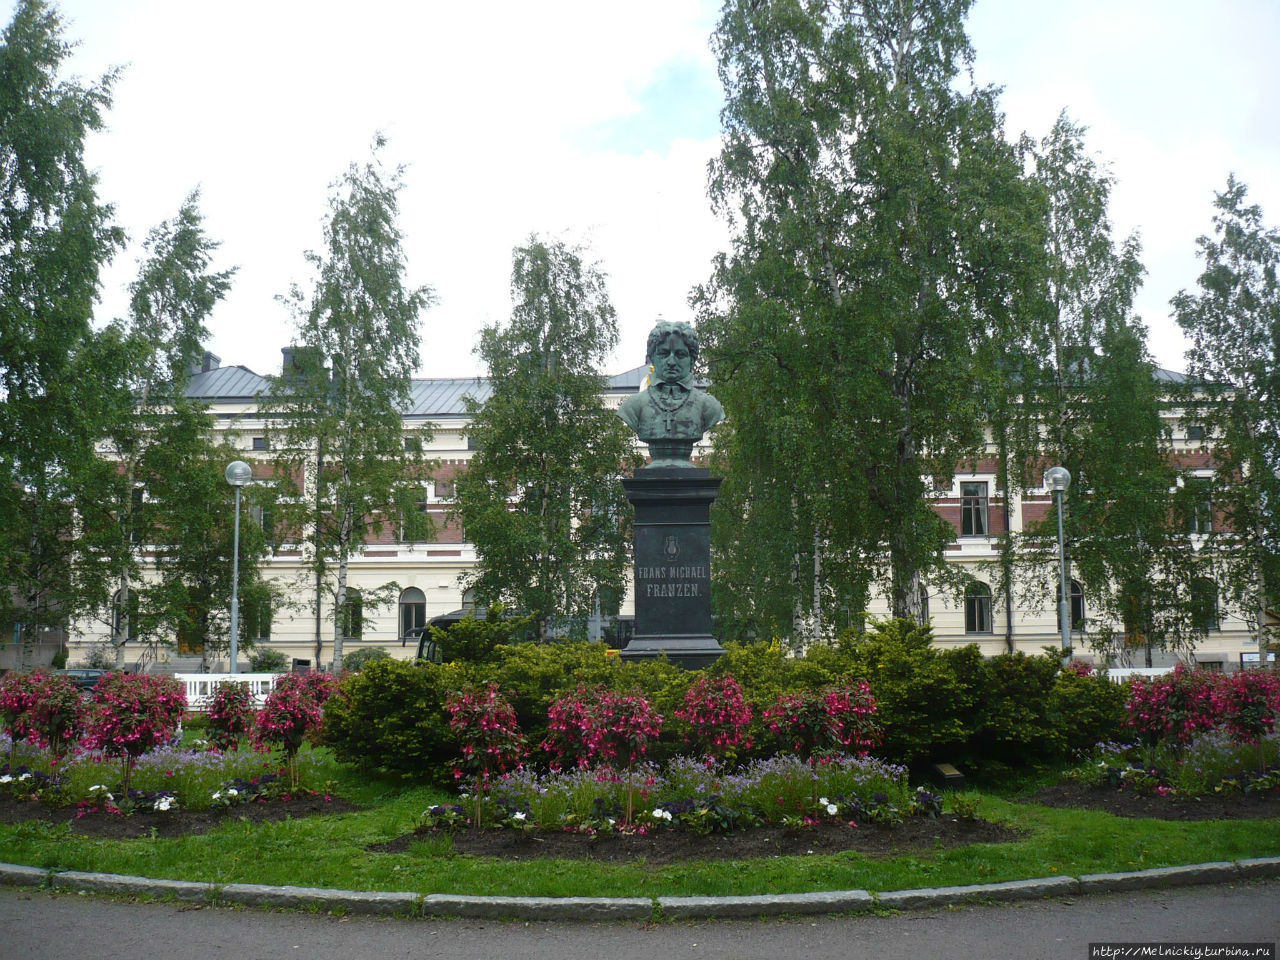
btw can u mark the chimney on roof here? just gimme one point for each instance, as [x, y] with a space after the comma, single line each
[208, 361]
[298, 361]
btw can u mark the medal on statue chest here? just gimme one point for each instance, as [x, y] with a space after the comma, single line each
[666, 405]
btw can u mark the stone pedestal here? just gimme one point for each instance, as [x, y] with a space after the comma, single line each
[673, 565]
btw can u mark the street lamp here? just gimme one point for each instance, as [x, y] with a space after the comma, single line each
[1058, 479]
[238, 474]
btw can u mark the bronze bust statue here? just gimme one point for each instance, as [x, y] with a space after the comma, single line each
[673, 414]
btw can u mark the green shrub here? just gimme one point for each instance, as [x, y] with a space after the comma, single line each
[390, 718]
[926, 698]
[531, 675]
[477, 641]
[1016, 726]
[358, 659]
[268, 660]
[1086, 710]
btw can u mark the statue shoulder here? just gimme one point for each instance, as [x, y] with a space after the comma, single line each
[629, 410]
[711, 409]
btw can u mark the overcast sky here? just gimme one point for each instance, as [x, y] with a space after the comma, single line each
[593, 122]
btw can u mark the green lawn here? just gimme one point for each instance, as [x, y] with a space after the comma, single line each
[330, 852]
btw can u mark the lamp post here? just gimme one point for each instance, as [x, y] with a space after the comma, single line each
[238, 474]
[1058, 479]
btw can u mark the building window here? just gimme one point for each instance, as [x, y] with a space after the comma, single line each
[924, 607]
[353, 615]
[1077, 606]
[412, 444]
[136, 499]
[415, 521]
[413, 610]
[1195, 434]
[263, 518]
[1199, 505]
[124, 616]
[1204, 604]
[255, 619]
[260, 443]
[469, 600]
[977, 608]
[973, 509]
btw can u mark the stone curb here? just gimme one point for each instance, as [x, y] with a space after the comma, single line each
[1010, 890]
[538, 908]
[127, 886]
[11, 874]
[632, 908]
[345, 901]
[1259, 867]
[1160, 877]
[765, 905]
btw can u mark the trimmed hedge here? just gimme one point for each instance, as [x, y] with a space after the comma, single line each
[933, 704]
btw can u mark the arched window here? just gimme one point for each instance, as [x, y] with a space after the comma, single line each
[124, 617]
[353, 615]
[1077, 606]
[1204, 604]
[977, 608]
[924, 606]
[413, 610]
[469, 600]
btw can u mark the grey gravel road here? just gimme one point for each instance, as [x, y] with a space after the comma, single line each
[37, 925]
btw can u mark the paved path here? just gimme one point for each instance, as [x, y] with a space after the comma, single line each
[38, 925]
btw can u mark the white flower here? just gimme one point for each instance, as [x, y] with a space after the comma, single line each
[233, 792]
[832, 809]
[163, 804]
[822, 801]
[25, 776]
[660, 814]
[6, 779]
[612, 821]
[518, 816]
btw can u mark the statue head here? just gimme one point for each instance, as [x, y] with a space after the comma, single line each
[672, 350]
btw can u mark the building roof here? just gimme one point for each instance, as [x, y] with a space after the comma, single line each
[433, 396]
[428, 397]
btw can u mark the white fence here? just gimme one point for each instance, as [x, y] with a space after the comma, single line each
[200, 686]
[1121, 674]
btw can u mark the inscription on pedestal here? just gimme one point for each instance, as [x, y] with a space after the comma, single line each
[673, 566]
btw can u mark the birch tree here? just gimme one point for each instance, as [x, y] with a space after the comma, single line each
[882, 233]
[1233, 322]
[339, 435]
[56, 395]
[541, 497]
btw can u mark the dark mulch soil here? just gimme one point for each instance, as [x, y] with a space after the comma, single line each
[669, 846]
[1126, 803]
[173, 823]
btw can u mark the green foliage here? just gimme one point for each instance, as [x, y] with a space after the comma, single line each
[57, 396]
[474, 641]
[1086, 710]
[1233, 322]
[268, 660]
[863, 177]
[390, 718]
[927, 699]
[1090, 401]
[163, 438]
[1015, 727]
[340, 408]
[532, 675]
[540, 498]
[358, 659]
